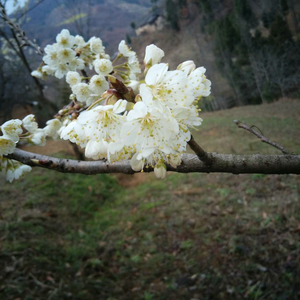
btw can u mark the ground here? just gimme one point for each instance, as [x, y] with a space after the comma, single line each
[190, 236]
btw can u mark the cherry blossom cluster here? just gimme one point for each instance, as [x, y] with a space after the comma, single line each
[69, 53]
[26, 130]
[117, 112]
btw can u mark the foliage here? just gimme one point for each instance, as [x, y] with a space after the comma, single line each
[254, 47]
[256, 65]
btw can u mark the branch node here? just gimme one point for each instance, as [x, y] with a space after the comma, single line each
[201, 154]
[35, 161]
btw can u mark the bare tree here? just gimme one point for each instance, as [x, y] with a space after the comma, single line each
[17, 41]
[276, 67]
[282, 75]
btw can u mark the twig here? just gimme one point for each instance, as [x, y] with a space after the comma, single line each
[52, 294]
[202, 155]
[19, 32]
[40, 283]
[261, 137]
[30, 9]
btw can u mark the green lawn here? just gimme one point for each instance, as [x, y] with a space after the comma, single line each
[191, 236]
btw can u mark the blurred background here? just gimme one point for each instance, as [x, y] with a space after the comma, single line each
[194, 236]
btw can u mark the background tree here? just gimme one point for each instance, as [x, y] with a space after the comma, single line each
[15, 55]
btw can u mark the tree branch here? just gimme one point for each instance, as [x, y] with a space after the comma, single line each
[221, 163]
[19, 32]
[261, 137]
[202, 155]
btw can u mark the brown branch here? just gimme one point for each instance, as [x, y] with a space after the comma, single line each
[221, 163]
[202, 155]
[19, 32]
[261, 137]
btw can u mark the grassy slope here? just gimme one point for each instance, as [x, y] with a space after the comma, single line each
[194, 236]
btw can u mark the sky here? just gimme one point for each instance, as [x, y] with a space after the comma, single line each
[10, 5]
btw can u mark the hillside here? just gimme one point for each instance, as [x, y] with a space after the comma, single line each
[108, 19]
[250, 48]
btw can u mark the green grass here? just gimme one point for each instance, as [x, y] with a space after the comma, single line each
[278, 121]
[190, 236]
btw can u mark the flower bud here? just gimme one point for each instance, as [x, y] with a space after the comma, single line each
[136, 165]
[160, 171]
[174, 160]
[138, 98]
[153, 55]
[112, 100]
[187, 67]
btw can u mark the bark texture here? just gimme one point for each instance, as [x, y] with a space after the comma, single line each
[220, 163]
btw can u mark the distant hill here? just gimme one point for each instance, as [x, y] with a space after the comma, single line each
[250, 48]
[108, 19]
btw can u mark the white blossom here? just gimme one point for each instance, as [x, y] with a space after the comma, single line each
[103, 122]
[151, 131]
[201, 85]
[51, 57]
[81, 91]
[12, 129]
[148, 129]
[38, 74]
[7, 145]
[79, 41]
[171, 88]
[38, 138]
[76, 64]
[52, 128]
[66, 55]
[98, 84]
[103, 66]
[74, 132]
[134, 64]
[73, 78]
[96, 149]
[61, 70]
[96, 45]
[48, 71]
[14, 170]
[64, 39]
[188, 116]
[106, 56]
[30, 124]
[125, 50]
